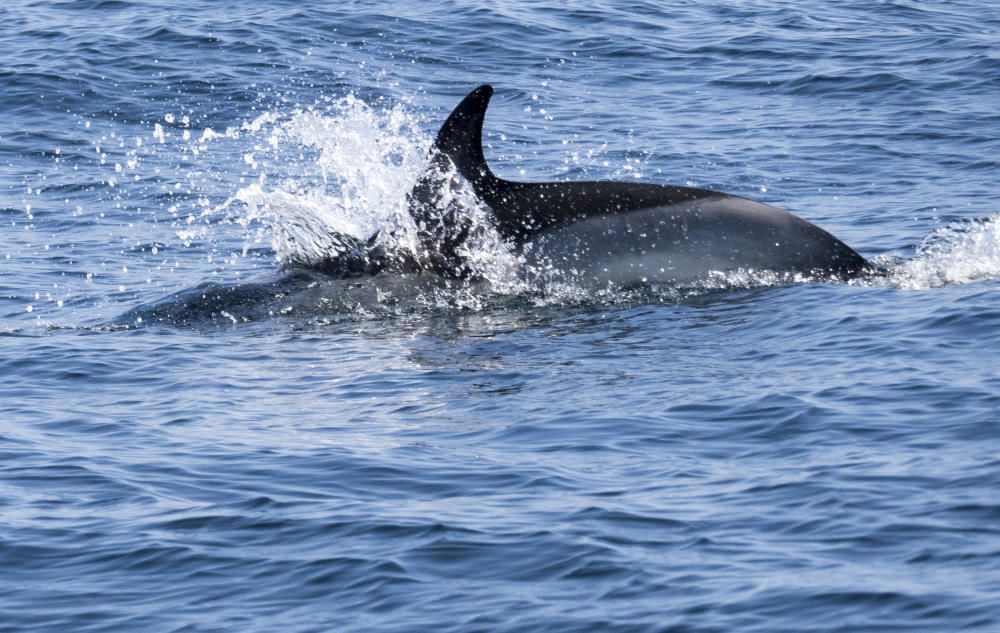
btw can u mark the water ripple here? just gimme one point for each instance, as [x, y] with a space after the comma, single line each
[200, 435]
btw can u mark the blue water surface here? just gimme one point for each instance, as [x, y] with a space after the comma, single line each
[196, 435]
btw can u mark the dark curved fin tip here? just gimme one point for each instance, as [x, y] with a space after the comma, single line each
[465, 121]
[461, 136]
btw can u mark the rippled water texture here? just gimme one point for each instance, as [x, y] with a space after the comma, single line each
[198, 434]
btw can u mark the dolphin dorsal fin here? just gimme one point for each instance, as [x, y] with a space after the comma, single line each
[461, 138]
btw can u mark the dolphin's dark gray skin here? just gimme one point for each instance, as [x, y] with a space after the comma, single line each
[614, 232]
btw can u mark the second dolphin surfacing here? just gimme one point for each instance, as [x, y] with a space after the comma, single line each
[609, 232]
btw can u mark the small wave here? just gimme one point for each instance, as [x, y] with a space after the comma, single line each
[962, 252]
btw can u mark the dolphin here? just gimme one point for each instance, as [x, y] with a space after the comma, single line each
[609, 232]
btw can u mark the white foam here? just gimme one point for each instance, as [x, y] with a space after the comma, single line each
[346, 171]
[959, 253]
[352, 167]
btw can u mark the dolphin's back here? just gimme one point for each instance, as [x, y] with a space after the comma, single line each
[522, 209]
[705, 229]
[610, 222]
[686, 241]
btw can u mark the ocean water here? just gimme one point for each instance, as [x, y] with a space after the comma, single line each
[200, 433]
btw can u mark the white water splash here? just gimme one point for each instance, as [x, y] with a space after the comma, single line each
[959, 253]
[352, 167]
[345, 172]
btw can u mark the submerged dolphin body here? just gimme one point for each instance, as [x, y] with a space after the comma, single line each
[602, 232]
